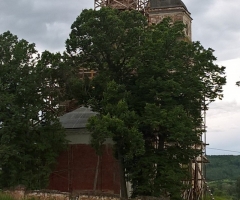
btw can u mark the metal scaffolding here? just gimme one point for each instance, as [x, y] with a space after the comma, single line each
[139, 5]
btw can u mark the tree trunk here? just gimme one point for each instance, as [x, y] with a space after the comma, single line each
[122, 176]
[96, 175]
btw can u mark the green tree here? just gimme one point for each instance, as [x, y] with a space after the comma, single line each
[31, 136]
[149, 91]
[112, 53]
[238, 188]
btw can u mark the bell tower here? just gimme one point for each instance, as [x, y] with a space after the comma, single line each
[175, 9]
[155, 10]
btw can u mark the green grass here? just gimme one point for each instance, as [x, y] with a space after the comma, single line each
[222, 198]
[5, 197]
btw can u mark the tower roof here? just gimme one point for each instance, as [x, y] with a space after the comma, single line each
[167, 4]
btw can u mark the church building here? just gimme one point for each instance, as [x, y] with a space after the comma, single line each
[80, 168]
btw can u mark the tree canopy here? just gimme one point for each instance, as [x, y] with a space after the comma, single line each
[31, 136]
[150, 88]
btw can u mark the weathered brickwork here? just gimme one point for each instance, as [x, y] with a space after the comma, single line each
[80, 169]
[156, 15]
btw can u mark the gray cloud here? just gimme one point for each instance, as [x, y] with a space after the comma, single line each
[215, 26]
[223, 128]
[45, 23]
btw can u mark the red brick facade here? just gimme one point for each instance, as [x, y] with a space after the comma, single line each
[76, 170]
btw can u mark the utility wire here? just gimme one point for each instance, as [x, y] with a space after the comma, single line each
[223, 150]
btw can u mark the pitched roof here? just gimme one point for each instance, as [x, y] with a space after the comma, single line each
[77, 118]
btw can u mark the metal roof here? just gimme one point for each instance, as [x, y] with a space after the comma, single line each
[77, 118]
[167, 4]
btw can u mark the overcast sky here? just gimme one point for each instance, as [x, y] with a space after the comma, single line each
[215, 24]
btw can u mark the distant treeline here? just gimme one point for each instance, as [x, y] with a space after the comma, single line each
[223, 167]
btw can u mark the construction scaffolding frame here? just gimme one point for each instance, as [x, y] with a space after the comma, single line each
[139, 5]
[198, 186]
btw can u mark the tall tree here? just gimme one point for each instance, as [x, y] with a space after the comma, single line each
[31, 136]
[175, 81]
[149, 91]
[111, 54]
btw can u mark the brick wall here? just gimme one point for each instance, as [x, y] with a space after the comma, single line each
[76, 170]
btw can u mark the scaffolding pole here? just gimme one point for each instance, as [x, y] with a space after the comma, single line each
[140, 5]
